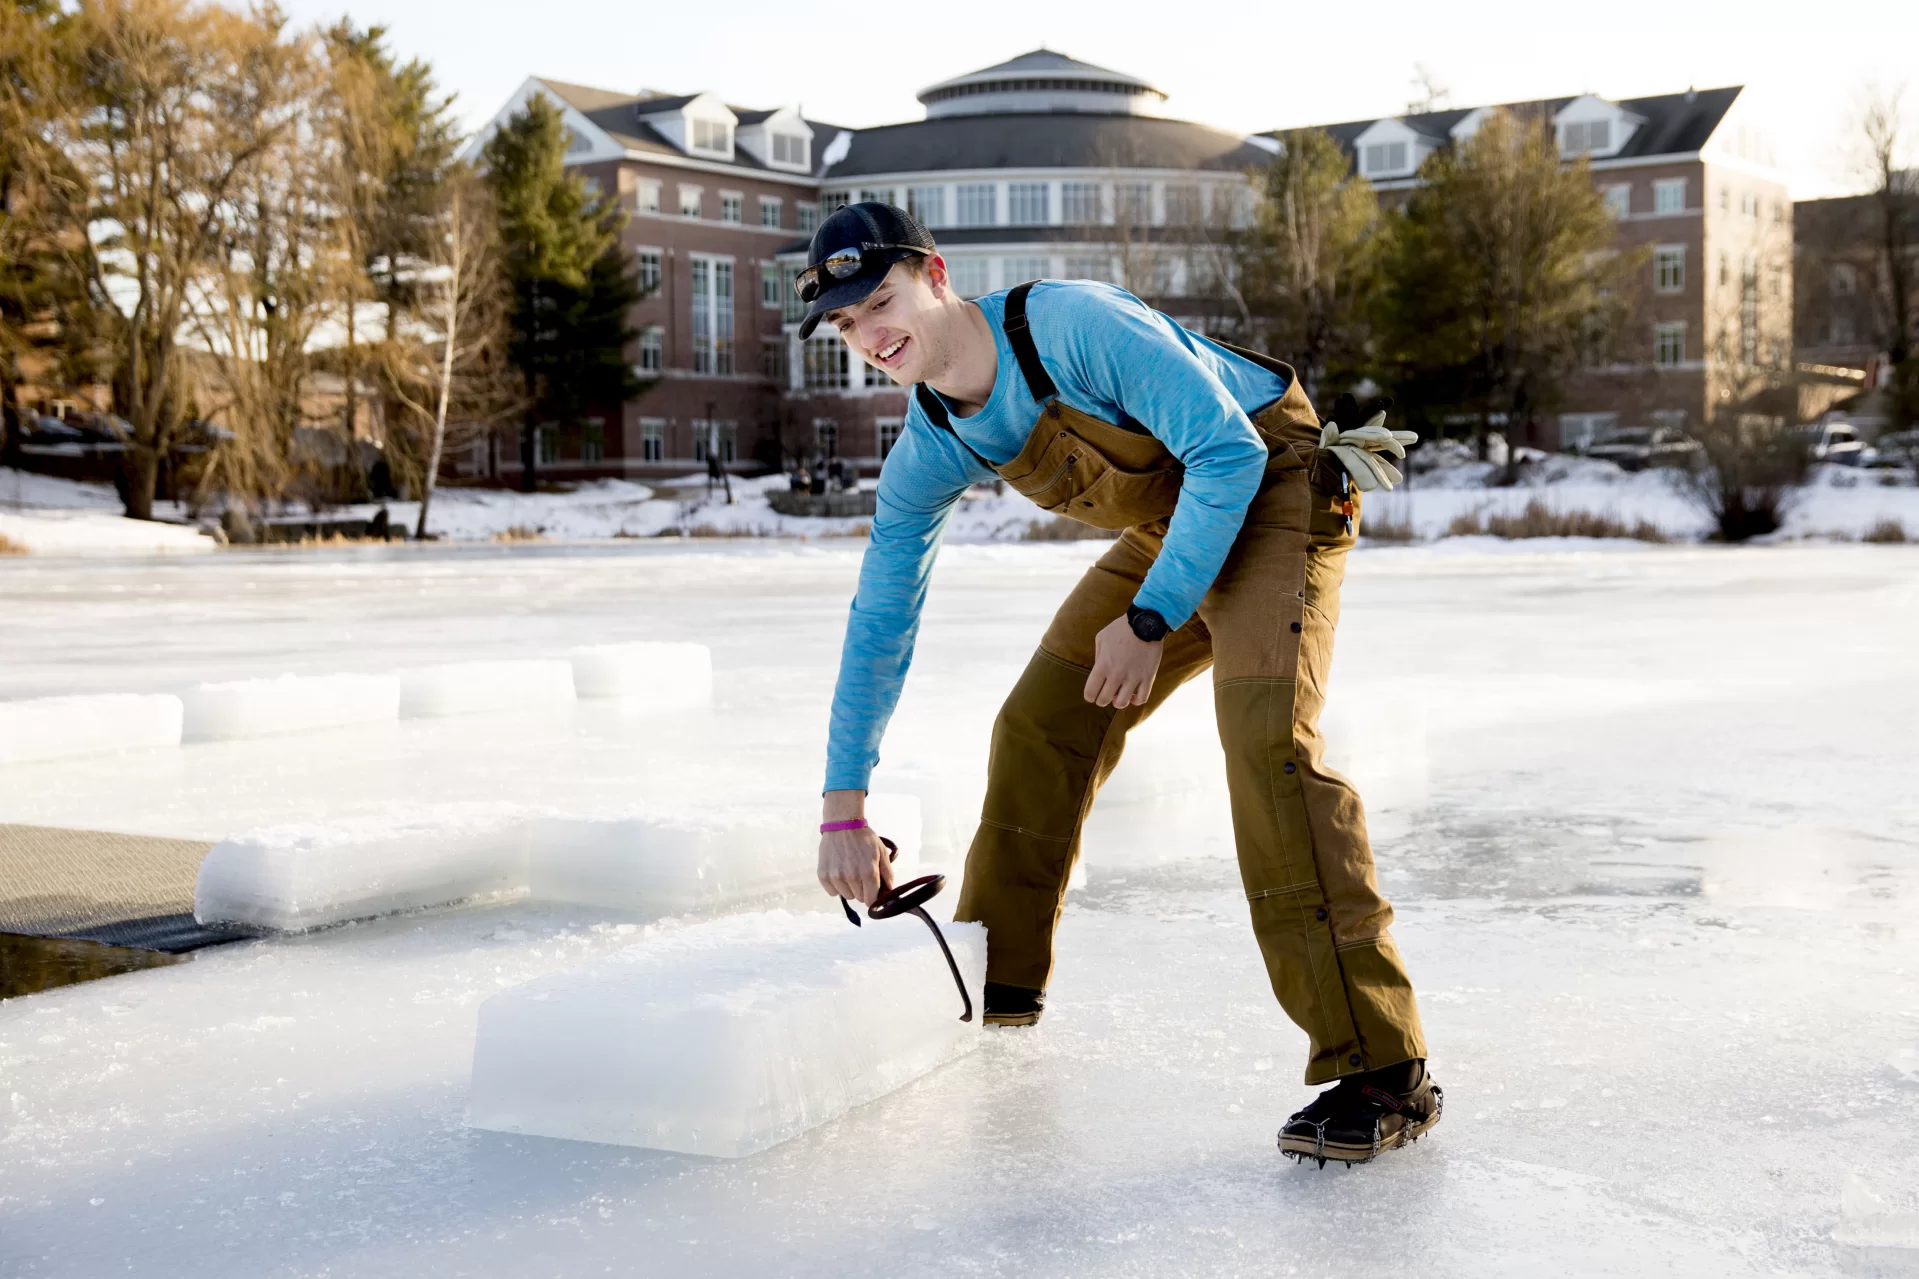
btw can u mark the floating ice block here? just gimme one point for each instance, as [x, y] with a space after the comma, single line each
[670, 863]
[460, 688]
[944, 829]
[655, 676]
[59, 727]
[289, 704]
[725, 1038]
[291, 878]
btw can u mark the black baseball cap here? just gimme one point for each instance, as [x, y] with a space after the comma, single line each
[881, 234]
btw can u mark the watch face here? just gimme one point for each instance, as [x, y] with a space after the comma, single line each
[1147, 624]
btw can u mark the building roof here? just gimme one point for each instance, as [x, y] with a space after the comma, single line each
[1043, 140]
[1039, 64]
[1675, 123]
[618, 115]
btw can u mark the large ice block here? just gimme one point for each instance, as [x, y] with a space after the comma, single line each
[61, 727]
[292, 878]
[289, 704]
[652, 676]
[461, 688]
[665, 863]
[725, 1038]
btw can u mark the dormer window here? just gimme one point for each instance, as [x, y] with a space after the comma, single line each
[1383, 158]
[1579, 137]
[1590, 125]
[791, 148]
[712, 136]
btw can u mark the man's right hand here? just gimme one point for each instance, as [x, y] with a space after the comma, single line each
[853, 863]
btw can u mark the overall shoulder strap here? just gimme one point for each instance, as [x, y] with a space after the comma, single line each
[935, 410]
[1021, 336]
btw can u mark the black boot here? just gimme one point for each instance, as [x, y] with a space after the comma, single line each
[1362, 1115]
[1012, 1005]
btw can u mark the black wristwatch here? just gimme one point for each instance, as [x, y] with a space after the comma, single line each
[1146, 624]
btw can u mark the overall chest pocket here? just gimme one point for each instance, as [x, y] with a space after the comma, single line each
[1071, 476]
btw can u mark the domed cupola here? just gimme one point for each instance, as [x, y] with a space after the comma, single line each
[1041, 81]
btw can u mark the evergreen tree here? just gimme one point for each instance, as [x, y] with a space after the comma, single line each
[571, 283]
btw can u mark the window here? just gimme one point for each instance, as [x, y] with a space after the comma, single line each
[830, 200]
[1725, 270]
[770, 285]
[1581, 136]
[593, 441]
[652, 349]
[769, 210]
[793, 149]
[712, 314]
[1842, 331]
[792, 310]
[1669, 195]
[646, 196]
[1669, 344]
[1026, 203]
[1619, 199]
[1133, 203]
[1089, 268]
[873, 375]
[1182, 204]
[652, 439]
[1384, 157]
[592, 186]
[1079, 203]
[928, 204]
[1843, 281]
[889, 433]
[969, 276]
[1669, 268]
[826, 436]
[773, 359]
[1580, 431]
[732, 206]
[827, 363]
[648, 261]
[1019, 270]
[1166, 281]
[708, 433]
[549, 434]
[809, 216]
[690, 201]
[978, 203]
[1725, 199]
[877, 195]
[715, 136]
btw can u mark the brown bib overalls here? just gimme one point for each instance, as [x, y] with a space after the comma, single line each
[1266, 629]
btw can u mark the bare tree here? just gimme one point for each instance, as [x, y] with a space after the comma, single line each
[456, 362]
[1895, 233]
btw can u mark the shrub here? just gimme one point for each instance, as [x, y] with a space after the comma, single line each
[1541, 520]
[1380, 528]
[10, 547]
[1749, 472]
[519, 533]
[1886, 530]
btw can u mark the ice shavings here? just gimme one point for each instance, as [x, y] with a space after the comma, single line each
[461, 688]
[1870, 1218]
[62, 727]
[288, 704]
[726, 1038]
[654, 675]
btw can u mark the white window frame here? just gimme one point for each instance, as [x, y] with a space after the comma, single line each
[1669, 268]
[1021, 269]
[798, 146]
[826, 436]
[1385, 159]
[770, 286]
[1029, 203]
[806, 216]
[1669, 196]
[927, 202]
[886, 434]
[819, 351]
[714, 313]
[693, 198]
[651, 263]
[971, 276]
[710, 144]
[646, 195]
[733, 207]
[652, 439]
[1669, 344]
[652, 351]
[1186, 202]
[1618, 197]
[774, 205]
[971, 199]
[1074, 206]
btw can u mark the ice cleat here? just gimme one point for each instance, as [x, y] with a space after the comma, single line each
[1362, 1115]
[1012, 1005]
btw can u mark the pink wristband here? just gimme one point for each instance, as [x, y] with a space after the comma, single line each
[857, 823]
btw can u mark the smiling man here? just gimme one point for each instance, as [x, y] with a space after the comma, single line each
[1237, 511]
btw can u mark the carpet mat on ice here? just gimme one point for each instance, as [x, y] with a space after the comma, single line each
[126, 890]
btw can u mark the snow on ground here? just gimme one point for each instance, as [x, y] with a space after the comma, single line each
[93, 532]
[1657, 888]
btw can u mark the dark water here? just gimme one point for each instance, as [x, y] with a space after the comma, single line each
[29, 964]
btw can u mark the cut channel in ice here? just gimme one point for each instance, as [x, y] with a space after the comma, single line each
[724, 1038]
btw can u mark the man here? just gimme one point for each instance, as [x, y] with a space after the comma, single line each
[1237, 517]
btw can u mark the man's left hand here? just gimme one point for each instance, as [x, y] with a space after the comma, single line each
[1123, 666]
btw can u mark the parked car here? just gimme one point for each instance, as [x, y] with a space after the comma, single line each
[1634, 448]
[1836, 442]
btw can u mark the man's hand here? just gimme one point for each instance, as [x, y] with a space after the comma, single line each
[1123, 666]
[853, 863]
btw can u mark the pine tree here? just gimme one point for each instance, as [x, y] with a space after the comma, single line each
[570, 280]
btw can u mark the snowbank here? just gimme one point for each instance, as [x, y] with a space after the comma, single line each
[289, 704]
[98, 533]
[60, 727]
[727, 1038]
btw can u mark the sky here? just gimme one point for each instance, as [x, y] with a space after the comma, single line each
[1243, 66]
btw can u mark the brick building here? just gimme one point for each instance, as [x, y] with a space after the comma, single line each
[1689, 180]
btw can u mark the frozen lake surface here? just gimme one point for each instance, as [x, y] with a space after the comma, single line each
[1656, 860]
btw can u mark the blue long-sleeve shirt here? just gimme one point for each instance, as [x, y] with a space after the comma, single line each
[1108, 353]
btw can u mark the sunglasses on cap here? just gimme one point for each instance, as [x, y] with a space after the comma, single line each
[844, 264]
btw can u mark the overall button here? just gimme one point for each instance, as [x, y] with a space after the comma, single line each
[1320, 913]
[1295, 628]
[1290, 768]
[1354, 1059]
